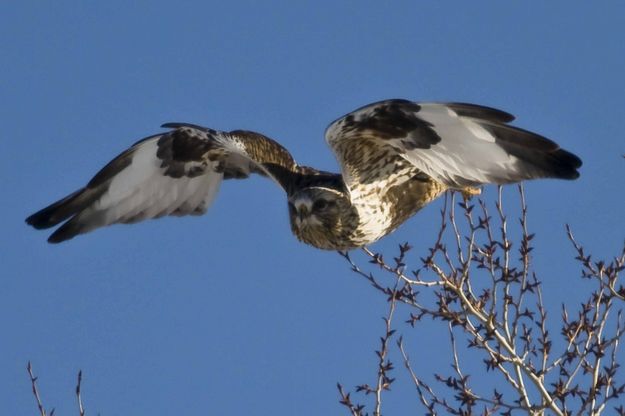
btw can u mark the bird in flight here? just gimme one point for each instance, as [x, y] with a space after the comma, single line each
[395, 157]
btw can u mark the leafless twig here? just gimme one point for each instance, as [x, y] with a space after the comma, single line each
[42, 410]
[81, 409]
[33, 382]
[494, 301]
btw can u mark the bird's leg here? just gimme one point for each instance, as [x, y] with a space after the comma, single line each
[469, 192]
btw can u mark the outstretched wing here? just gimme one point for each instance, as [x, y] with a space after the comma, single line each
[456, 144]
[174, 173]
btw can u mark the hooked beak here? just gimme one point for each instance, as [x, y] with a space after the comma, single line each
[302, 212]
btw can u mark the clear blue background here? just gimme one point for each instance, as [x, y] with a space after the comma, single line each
[228, 313]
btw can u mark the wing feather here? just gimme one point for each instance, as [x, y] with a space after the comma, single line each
[174, 173]
[457, 144]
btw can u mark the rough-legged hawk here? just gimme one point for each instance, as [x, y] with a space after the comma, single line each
[395, 157]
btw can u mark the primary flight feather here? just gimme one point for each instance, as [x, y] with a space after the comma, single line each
[395, 157]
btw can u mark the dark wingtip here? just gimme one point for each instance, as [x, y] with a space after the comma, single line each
[56, 212]
[175, 125]
[481, 112]
[33, 221]
[56, 239]
[41, 220]
[568, 175]
[67, 231]
[566, 164]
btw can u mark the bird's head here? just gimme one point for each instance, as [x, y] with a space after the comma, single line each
[321, 216]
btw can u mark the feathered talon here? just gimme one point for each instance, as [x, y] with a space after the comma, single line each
[469, 192]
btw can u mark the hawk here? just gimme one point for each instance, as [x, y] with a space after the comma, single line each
[395, 157]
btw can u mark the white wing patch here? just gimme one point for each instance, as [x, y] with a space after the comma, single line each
[142, 191]
[457, 144]
[379, 146]
[467, 154]
[174, 173]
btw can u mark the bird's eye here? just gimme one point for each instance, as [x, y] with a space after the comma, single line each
[320, 204]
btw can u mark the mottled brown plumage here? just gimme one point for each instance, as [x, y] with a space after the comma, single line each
[395, 156]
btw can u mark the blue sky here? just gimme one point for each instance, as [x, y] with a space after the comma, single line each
[228, 313]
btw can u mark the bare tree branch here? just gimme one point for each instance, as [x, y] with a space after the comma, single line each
[33, 382]
[504, 316]
[42, 410]
[81, 409]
